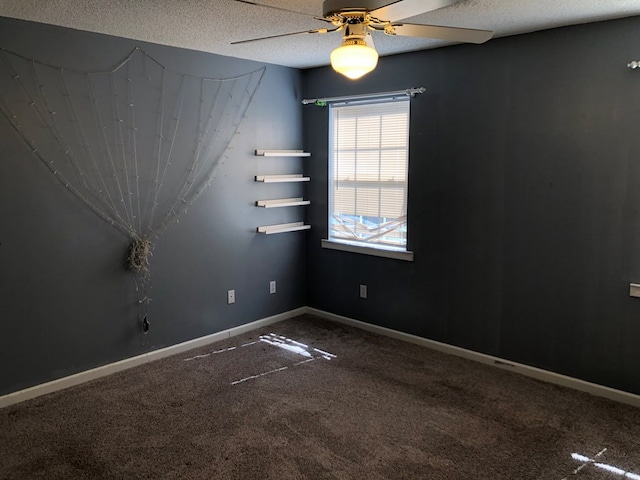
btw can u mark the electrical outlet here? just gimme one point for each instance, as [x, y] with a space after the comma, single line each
[231, 297]
[363, 291]
[272, 286]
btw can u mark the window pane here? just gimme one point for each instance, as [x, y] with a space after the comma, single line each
[369, 167]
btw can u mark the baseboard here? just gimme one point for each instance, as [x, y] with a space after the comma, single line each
[533, 372]
[94, 373]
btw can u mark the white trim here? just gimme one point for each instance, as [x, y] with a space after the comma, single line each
[533, 372]
[376, 252]
[103, 371]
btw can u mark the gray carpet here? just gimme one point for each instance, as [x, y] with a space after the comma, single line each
[345, 405]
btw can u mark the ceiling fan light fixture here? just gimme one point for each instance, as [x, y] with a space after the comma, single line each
[354, 58]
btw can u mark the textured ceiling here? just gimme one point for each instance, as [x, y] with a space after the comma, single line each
[211, 25]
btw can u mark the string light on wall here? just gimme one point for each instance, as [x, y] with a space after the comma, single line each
[633, 65]
[137, 144]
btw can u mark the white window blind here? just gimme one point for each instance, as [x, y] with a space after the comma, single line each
[369, 152]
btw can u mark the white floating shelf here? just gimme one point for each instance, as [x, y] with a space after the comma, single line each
[282, 202]
[282, 153]
[281, 178]
[283, 228]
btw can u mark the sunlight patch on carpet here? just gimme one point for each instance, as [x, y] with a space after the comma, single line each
[281, 342]
[287, 344]
[259, 375]
[586, 461]
[205, 355]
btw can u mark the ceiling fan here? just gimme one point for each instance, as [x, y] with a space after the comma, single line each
[358, 18]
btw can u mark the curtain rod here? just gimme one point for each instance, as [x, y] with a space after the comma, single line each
[323, 101]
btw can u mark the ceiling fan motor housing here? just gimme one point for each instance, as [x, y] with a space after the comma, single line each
[332, 7]
[355, 31]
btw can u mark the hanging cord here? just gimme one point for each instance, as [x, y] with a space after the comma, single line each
[134, 143]
[100, 190]
[107, 149]
[13, 120]
[254, 79]
[120, 134]
[143, 285]
[138, 262]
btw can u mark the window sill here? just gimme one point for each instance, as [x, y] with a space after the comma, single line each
[377, 252]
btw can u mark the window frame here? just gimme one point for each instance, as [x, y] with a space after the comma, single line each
[379, 250]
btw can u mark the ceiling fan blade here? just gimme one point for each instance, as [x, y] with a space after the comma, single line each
[402, 9]
[321, 30]
[256, 4]
[453, 34]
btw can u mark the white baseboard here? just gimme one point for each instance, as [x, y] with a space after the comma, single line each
[533, 372]
[94, 373]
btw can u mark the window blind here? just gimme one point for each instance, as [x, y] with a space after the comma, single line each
[369, 145]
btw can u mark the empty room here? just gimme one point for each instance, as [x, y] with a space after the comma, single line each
[320, 239]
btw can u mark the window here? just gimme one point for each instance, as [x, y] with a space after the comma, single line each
[368, 172]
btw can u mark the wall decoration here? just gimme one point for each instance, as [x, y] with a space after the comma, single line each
[137, 144]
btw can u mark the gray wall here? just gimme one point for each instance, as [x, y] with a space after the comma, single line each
[523, 203]
[524, 195]
[66, 302]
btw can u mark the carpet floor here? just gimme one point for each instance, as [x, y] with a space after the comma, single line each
[311, 399]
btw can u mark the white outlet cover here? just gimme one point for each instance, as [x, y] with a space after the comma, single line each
[363, 291]
[272, 286]
[231, 297]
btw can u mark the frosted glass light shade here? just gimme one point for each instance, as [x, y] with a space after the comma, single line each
[354, 61]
